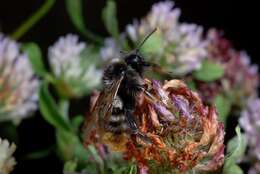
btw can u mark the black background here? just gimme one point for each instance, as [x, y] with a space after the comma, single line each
[238, 19]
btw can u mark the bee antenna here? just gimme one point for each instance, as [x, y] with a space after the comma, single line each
[145, 39]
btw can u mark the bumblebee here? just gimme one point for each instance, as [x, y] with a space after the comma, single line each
[122, 83]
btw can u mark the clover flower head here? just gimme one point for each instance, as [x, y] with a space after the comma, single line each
[175, 44]
[183, 134]
[64, 52]
[75, 74]
[250, 122]
[240, 76]
[110, 50]
[255, 169]
[7, 162]
[19, 86]
[163, 15]
[191, 50]
[221, 50]
[247, 77]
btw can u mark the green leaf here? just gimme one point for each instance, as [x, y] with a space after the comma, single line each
[209, 71]
[71, 148]
[96, 156]
[191, 85]
[84, 154]
[75, 13]
[74, 9]
[152, 45]
[64, 108]
[35, 56]
[223, 105]
[110, 19]
[233, 169]
[70, 166]
[236, 146]
[133, 169]
[77, 121]
[50, 111]
[235, 150]
[66, 143]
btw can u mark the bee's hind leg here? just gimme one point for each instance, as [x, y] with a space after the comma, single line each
[133, 126]
[131, 121]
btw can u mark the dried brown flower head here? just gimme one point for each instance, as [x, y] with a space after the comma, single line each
[184, 134]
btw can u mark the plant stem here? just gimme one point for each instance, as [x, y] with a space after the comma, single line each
[64, 108]
[33, 19]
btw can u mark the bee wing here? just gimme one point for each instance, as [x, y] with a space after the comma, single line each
[154, 100]
[150, 97]
[102, 109]
[104, 106]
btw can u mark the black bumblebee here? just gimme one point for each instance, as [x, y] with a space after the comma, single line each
[122, 83]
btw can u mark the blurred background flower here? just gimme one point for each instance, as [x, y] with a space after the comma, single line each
[18, 84]
[227, 78]
[177, 47]
[242, 83]
[250, 122]
[75, 74]
[7, 161]
[110, 50]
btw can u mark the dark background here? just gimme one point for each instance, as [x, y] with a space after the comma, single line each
[238, 19]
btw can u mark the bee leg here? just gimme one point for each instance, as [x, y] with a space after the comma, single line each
[131, 121]
[133, 127]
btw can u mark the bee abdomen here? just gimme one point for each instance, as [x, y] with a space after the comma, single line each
[117, 124]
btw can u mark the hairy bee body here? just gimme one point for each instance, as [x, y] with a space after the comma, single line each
[117, 122]
[122, 84]
[125, 100]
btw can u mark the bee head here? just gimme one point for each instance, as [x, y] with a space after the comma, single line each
[136, 61]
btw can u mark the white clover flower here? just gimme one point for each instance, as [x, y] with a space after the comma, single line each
[110, 50]
[176, 46]
[250, 122]
[18, 85]
[7, 161]
[191, 50]
[163, 16]
[181, 47]
[76, 75]
[64, 52]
